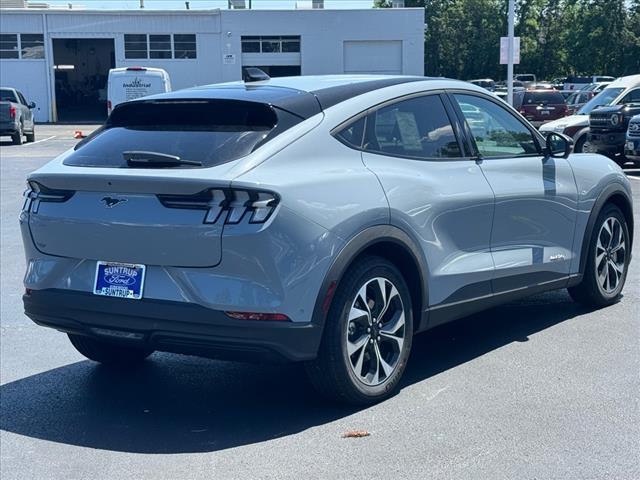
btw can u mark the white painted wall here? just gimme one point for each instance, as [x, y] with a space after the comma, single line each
[332, 41]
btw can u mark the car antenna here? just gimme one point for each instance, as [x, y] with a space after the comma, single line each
[253, 74]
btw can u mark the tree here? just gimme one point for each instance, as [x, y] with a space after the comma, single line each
[558, 37]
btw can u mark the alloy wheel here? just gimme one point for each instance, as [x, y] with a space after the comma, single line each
[610, 255]
[375, 331]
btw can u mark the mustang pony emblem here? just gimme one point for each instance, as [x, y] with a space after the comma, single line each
[111, 202]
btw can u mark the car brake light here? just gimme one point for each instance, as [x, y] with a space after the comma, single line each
[279, 317]
[136, 69]
[36, 193]
[109, 107]
[231, 205]
[12, 111]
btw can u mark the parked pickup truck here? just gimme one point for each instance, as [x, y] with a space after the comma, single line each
[608, 130]
[632, 147]
[16, 116]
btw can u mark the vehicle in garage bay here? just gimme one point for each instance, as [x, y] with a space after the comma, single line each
[623, 90]
[16, 116]
[322, 220]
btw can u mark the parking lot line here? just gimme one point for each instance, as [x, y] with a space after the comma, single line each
[39, 141]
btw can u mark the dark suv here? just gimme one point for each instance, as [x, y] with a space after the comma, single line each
[608, 129]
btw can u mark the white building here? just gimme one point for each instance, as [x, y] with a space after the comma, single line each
[60, 58]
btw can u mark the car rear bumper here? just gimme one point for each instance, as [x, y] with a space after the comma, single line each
[177, 327]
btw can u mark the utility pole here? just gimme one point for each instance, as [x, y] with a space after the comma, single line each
[510, 21]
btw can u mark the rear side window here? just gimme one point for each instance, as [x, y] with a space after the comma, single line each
[415, 128]
[544, 98]
[209, 132]
[352, 134]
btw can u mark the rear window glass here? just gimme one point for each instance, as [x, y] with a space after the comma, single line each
[543, 97]
[7, 96]
[204, 131]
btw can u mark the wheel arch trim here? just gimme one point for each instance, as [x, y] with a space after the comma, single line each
[610, 191]
[360, 242]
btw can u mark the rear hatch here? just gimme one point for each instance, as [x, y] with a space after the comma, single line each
[150, 186]
[543, 106]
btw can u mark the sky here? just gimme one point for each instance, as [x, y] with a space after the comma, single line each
[199, 4]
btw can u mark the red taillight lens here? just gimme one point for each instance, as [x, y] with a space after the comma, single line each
[136, 69]
[277, 317]
[12, 111]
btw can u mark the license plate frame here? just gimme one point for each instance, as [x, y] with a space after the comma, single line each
[119, 280]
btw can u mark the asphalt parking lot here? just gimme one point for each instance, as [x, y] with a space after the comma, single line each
[541, 388]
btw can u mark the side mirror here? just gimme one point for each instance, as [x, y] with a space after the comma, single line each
[32, 105]
[558, 145]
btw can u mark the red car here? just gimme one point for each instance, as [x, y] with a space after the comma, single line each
[542, 106]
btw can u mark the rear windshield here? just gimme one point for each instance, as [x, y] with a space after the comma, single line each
[209, 132]
[7, 95]
[537, 98]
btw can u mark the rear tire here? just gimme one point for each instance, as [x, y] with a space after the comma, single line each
[367, 336]
[31, 137]
[18, 136]
[108, 353]
[607, 260]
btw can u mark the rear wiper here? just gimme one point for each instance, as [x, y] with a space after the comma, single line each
[155, 159]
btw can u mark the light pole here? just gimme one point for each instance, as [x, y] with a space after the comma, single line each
[510, 28]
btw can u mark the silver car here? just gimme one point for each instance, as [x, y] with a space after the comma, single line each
[323, 220]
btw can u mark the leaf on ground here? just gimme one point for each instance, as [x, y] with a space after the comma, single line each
[356, 434]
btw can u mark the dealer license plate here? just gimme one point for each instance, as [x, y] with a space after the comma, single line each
[122, 280]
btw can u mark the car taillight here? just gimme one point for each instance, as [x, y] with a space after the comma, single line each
[12, 111]
[36, 193]
[231, 206]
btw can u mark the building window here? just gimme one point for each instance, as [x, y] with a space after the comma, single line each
[24, 45]
[135, 46]
[143, 46]
[159, 46]
[9, 45]
[184, 46]
[271, 44]
[32, 45]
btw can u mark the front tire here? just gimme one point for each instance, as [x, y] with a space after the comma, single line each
[367, 336]
[607, 260]
[108, 353]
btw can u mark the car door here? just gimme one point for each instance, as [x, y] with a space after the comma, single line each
[535, 196]
[436, 193]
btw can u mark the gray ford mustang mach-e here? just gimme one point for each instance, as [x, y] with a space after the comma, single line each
[323, 220]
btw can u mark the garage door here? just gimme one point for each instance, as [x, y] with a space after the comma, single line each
[373, 56]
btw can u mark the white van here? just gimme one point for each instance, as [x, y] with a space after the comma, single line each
[129, 83]
[576, 126]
